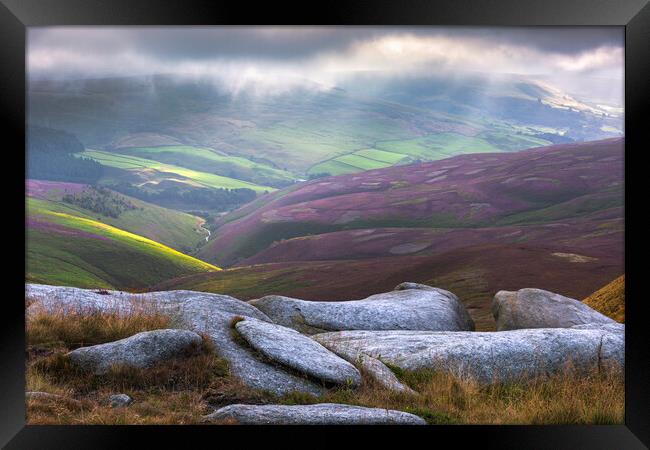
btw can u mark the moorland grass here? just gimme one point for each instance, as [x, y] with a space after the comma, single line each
[443, 399]
[183, 390]
[70, 329]
[610, 299]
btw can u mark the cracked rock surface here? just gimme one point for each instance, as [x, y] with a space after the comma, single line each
[297, 351]
[486, 357]
[196, 311]
[319, 414]
[140, 350]
[536, 308]
[411, 308]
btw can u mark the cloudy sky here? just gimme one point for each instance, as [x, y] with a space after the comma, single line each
[580, 59]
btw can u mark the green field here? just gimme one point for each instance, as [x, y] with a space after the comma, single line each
[176, 229]
[169, 171]
[298, 145]
[438, 146]
[427, 148]
[334, 167]
[65, 249]
[381, 155]
[207, 160]
[508, 141]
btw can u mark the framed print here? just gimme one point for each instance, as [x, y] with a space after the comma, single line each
[389, 220]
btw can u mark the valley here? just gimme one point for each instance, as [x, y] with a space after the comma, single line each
[70, 244]
[327, 225]
[338, 193]
[472, 224]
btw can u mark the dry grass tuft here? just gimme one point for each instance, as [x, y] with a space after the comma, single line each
[149, 408]
[72, 329]
[443, 399]
[609, 300]
[167, 393]
[195, 370]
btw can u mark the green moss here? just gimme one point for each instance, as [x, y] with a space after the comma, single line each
[433, 417]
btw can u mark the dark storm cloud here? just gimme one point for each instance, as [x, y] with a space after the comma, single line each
[276, 59]
[294, 43]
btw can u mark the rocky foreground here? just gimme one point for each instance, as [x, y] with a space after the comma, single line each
[284, 345]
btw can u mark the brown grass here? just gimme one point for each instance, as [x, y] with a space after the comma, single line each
[181, 390]
[71, 329]
[168, 393]
[443, 399]
[610, 300]
[195, 370]
[150, 408]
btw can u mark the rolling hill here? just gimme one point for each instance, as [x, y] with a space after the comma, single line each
[314, 129]
[68, 245]
[154, 172]
[175, 229]
[549, 217]
[474, 273]
[464, 193]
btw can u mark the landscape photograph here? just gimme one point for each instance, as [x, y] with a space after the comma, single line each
[324, 225]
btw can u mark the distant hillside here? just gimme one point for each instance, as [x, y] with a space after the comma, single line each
[313, 130]
[69, 248]
[610, 299]
[175, 229]
[50, 156]
[512, 197]
[193, 145]
[474, 224]
[474, 273]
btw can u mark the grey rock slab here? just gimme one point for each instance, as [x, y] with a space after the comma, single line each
[294, 350]
[407, 309]
[197, 311]
[613, 345]
[382, 374]
[62, 298]
[242, 361]
[486, 357]
[319, 414]
[119, 400]
[140, 350]
[536, 308]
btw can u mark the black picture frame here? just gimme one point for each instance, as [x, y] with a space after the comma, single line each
[634, 15]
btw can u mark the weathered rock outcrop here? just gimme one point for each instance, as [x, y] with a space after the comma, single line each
[485, 356]
[415, 326]
[298, 352]
[62, 298]
[536, 308]
[319, 414]
[197, 311]
[405, 309]
[140, 350]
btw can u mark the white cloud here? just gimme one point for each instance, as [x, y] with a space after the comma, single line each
[397, 53]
